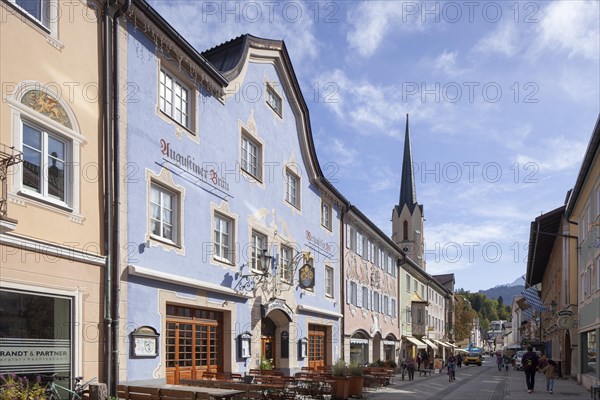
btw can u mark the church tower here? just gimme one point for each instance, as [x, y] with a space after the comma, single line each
[407, 216]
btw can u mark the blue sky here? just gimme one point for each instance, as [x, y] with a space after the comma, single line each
[502, 97]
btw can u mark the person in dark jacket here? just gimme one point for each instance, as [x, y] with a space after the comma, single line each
[530, 362]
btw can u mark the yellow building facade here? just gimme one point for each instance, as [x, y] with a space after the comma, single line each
[51, 214]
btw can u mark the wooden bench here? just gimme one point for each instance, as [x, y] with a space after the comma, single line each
[424, 371]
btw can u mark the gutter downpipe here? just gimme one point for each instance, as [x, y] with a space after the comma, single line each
[342, 283]
[108, 186]
[117, 201]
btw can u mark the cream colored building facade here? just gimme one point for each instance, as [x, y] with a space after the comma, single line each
[51, 263]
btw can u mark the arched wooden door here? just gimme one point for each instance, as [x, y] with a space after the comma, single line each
[194, 343]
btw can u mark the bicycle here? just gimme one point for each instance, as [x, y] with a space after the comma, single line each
[80, 390]
[451, 372]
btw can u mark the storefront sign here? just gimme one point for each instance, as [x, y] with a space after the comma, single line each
[277, 304]
[319, 244]
[23, 355]
[206, 174]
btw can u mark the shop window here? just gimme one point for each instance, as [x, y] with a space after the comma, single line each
[42, 326]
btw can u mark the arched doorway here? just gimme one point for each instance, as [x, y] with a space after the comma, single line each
[359, 348]
[275, 334]
[377, 347]
[389, 348]
[268, 341]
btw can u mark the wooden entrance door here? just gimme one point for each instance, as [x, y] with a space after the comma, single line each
[194, 344]
[317, 349]
[268, 348]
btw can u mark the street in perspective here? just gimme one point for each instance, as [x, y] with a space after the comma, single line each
[299, 199]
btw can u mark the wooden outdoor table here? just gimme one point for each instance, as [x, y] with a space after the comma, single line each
[219, 394]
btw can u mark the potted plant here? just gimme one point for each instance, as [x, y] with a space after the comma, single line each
[341, 382]
[266, 364]
[357, 379]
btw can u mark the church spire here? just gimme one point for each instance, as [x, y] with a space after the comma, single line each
[408, 193]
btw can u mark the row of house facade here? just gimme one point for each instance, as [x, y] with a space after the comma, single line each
[559, 313]
[156, 224]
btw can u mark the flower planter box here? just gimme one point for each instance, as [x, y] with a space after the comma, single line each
[355, 387]
[340, 387]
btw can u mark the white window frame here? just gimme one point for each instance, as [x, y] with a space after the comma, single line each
[408, 317]
[164, 191]
[291, 198]
[286, 255]
[376, 306]
[326, 212]
[258, 242]
[223, 250]
[359, 243]
[365, 297]
[329, 281]
[21, 114]
[274, 100]
[49, 15]
[176, 84]
[253, 168]
[353, 293]
[43, 191]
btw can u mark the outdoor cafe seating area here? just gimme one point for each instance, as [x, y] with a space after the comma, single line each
[255, 385]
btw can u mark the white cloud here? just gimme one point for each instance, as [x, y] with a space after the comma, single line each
[372, 21]
[371, 109]
[569, 26]
[341, 152]
[208, 24]
[502, 40]
[447, 63]
[559, 153]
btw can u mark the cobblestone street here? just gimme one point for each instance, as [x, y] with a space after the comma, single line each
[478, 383]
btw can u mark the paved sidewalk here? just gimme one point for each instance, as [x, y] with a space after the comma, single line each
[478, 383]
[516, 388]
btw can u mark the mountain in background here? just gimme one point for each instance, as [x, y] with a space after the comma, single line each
[507, 291]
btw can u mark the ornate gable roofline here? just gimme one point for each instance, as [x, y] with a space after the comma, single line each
[231, 57]
[148, 20]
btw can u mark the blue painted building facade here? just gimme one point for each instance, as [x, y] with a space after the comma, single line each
[232, 231]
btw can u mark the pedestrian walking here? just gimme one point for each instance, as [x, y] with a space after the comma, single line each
[550, 372]
[459, 360]
[425, 360]
[418, 361]
[410, 367]
[451, 368]
[499, 361]
[506, 361]
[530, 362]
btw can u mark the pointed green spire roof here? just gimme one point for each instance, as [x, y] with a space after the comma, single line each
[408, 193]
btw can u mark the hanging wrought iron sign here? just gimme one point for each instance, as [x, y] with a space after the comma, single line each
[306, 275]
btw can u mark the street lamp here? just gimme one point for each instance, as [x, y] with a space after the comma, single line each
[256, 276]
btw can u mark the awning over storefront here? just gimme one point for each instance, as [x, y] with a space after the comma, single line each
[442, 343]
[416, 342]
[450, 344]
[359, 341]
[389, 342]
[432, 345]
